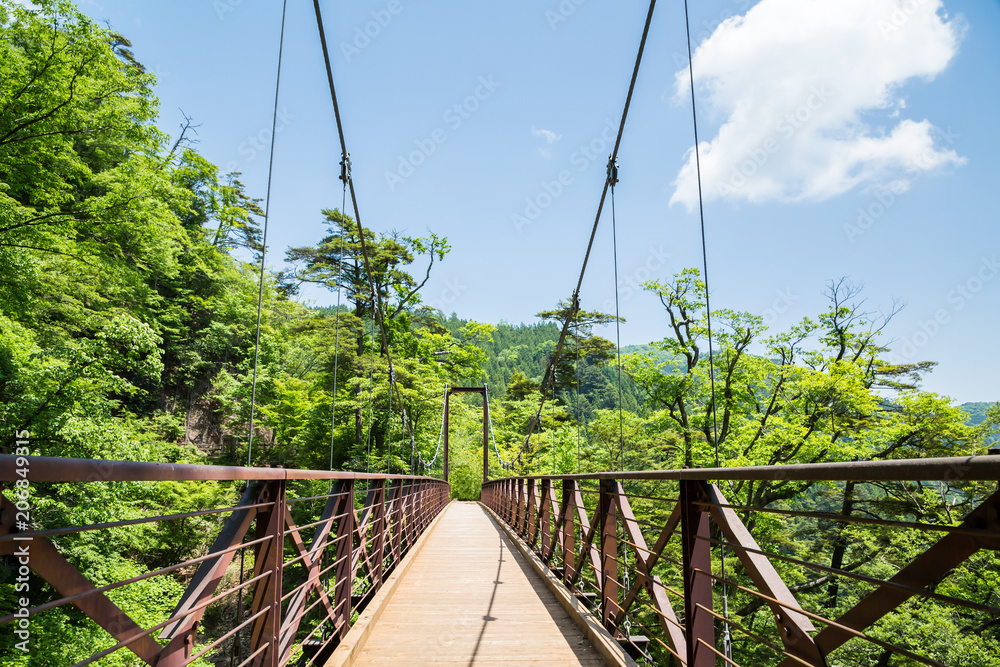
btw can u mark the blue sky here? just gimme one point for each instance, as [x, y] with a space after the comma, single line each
[841, 138]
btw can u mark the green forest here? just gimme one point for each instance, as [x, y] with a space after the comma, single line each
[129, 276]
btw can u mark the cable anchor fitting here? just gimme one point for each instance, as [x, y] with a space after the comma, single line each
[345, 168]
[612, 171]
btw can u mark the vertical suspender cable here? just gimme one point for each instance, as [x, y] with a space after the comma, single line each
[388, 431]
[613, 179]
[371, 401]
[726, 641]
[345, 175]
[263, 250]
[579, 408]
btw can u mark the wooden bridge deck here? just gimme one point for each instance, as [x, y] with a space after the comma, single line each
[471, 598]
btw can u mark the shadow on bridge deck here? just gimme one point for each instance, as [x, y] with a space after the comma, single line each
[471, 598]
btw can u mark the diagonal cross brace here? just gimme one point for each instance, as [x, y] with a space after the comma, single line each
[59, 573]
[793, 626]
[587, 530]
[210, 573]
[645, 560]
[925, 570]
[311, 559]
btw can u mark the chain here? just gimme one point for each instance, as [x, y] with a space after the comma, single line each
[489, 419]
[428, 465]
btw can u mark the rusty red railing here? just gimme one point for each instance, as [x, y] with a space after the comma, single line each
[871, 542]
[315, 560]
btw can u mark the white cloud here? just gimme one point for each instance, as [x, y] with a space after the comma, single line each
[549, 138]
[809, 94]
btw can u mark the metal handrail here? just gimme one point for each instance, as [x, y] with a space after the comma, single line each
[58, 469]
[362, 533]
[949, 469]
[591, 539]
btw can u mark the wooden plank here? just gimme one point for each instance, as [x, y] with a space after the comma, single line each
[606, 645]
[358, 634]
[472, 598]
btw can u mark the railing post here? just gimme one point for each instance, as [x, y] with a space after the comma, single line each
[569, 530]
[343, 573]
[608, 516]
[416, 508]
[513, 489]
[408, 503]
[546, 518]
[518, 504]
[422, 506]
[699, 625]
[531, 528]
[396, 505]
[508, 505]
[267, 593]
[379, 527]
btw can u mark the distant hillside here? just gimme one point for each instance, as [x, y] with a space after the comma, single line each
[660, 355]
[525, 348]
[977, 414]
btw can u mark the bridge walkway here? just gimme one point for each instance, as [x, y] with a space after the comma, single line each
[471, 598]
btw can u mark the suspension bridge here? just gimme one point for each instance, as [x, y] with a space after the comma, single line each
[615, 567]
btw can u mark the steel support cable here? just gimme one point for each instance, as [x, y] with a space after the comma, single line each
[727, 643]
[376, 301]
[575, 305]
[263, 249]
[371, 401]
